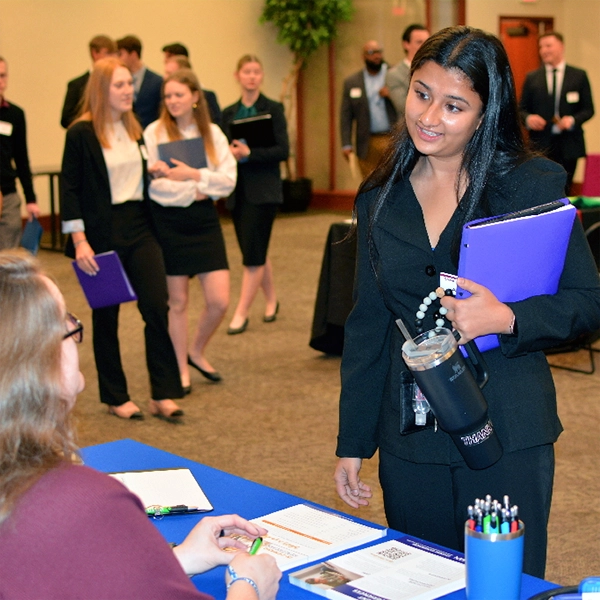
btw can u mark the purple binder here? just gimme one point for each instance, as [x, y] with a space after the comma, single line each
[517, 255]
[109, 286]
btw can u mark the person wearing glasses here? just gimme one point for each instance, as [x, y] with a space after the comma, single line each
[68, 531]
[365, 100]
[104, 206]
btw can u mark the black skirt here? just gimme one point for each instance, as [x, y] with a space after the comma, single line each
[191, 238]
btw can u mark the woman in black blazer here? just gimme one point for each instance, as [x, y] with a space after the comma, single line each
[104, 206]
[459, 155]
[258, 191]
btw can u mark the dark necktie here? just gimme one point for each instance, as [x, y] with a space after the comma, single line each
[554, 94]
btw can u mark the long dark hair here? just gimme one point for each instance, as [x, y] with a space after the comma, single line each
[497, 145]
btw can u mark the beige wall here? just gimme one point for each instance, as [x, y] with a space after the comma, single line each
[45, 44]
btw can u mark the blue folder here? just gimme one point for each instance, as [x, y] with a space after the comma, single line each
[191, 152]
[517, 255]
[109, 286]
[32, 235]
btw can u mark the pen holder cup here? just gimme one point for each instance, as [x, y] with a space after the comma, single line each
[494, 564]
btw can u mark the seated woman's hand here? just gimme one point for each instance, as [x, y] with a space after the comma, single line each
[479, 314]
[159, 169]
[206, 547]
[182, 172]
[262, 569]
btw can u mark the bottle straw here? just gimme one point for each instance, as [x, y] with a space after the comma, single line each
[410, 347]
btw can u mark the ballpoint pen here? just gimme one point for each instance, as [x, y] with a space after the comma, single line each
[170, 510]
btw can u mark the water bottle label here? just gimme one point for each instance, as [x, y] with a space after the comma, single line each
[479, 436]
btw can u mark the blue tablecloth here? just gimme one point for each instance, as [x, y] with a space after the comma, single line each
[228, 494]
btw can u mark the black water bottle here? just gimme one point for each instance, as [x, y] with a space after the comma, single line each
[454, 395]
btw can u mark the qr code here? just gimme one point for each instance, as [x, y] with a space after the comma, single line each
[393, 553]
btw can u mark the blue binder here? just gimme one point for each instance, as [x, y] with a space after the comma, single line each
[517, 255]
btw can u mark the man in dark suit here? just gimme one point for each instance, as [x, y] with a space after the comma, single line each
[398, 77]
[147, 84]
[556, 101]
[365, 101]
[100, 46]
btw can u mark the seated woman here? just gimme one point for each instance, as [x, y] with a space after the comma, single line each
[185, 216]
[67, 531]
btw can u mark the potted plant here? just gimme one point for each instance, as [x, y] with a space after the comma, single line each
[303, 26]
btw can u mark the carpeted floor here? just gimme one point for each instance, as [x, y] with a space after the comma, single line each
[273, 419]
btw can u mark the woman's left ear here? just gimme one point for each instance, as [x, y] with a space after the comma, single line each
[196, 97]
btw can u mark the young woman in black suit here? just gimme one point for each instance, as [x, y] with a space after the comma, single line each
[459, 155]
[104, 206]
[258, 191]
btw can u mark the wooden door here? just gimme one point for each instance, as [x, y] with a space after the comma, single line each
[520, 38]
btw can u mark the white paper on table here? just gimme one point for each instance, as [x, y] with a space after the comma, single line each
[303, 533]
[165, 487]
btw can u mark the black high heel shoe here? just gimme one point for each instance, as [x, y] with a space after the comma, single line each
[236, 330]
[273, 317]
[210, 375]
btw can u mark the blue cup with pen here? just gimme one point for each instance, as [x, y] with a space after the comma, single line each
[494, 564]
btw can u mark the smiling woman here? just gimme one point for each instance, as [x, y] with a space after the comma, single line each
[103, 206]
[185, 216]
[459, 156]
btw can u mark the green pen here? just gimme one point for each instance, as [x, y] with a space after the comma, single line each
[256, 544]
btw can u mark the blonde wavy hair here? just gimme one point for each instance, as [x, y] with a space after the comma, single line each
[35, 425]
[96, 107]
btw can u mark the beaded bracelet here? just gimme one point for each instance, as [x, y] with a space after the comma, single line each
[439, 315]
[235, 577]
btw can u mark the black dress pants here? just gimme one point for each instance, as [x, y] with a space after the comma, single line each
[143, 262]
[430, 501]
[556, 153]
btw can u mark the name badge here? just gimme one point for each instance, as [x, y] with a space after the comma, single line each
[448, 281]
[355, 92]
[5, 128]
[144, 152]
[572, 97]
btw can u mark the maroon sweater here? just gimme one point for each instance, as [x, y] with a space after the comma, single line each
[77, 533]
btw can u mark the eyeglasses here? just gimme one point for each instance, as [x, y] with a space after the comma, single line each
[74, 328]
[376, 51]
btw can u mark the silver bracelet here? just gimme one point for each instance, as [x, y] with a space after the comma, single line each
[235, 577]
[75, 244]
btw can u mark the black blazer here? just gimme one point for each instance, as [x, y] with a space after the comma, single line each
[213, 107]
[147, 103]
[85, 187]
[520, 392]
[575, 101]
[259, 179]
[73, 99]
[357, 109]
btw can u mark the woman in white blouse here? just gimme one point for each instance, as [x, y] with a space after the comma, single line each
[185, 216]
[104, 206]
